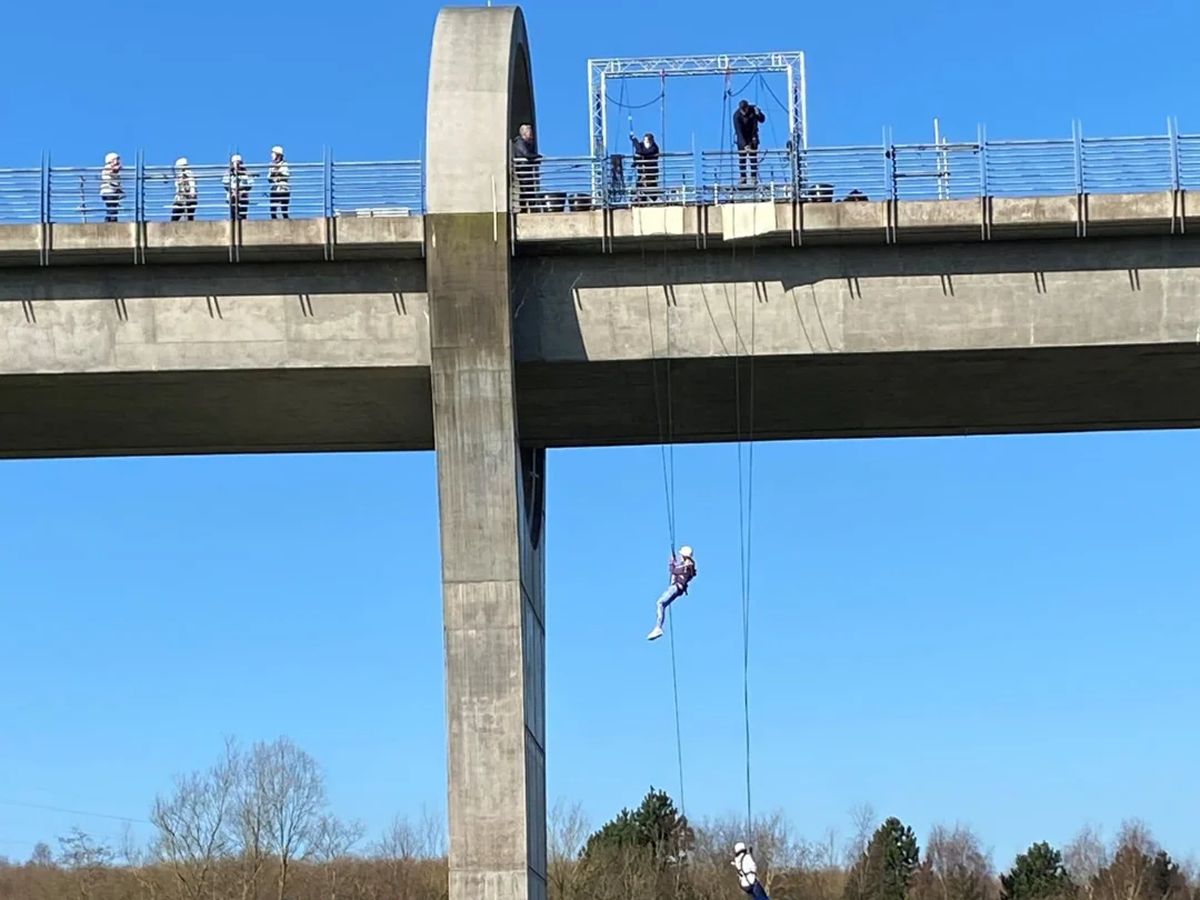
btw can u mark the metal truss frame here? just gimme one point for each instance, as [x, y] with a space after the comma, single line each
[789, 63]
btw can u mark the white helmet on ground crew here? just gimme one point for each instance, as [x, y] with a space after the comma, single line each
[685, 551]
[181, 162]
[235, 159]
[111, 157]
[277, 150]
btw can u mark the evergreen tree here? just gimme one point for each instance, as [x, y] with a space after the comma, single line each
[887, 866]
[655, 826]
[1037, 874]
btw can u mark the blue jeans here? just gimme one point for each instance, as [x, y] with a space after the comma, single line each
[669, 596]
[756, 891]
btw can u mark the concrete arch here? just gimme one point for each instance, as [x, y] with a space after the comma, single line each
[480, 92]
[490, 488]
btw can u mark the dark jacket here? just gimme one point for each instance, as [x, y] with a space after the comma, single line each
[644, 155]
[523, 149]
[745, 126]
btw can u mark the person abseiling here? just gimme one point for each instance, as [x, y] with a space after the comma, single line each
[683, 569]
[747, 872]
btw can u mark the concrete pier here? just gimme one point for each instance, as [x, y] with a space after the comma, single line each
[490, 488]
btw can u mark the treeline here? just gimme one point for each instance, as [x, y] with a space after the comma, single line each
[256, 826]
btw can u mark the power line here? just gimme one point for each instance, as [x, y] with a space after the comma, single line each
[74, 812]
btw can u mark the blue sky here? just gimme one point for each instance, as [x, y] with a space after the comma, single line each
[993, 630]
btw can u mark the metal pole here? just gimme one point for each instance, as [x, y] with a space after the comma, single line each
[603, 101]
[1173, 141]
[803, 101]
[793, 112]
[981, 139]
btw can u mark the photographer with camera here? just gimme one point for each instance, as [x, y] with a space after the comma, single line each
[746, 119]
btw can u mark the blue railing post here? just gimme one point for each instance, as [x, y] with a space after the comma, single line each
[327, 182]
[1077, 137]
[1173, 140]
[889, 156]
[43, 189]
[983, 167]
[139, 185]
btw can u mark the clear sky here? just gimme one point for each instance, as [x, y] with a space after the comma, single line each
[1000, 631]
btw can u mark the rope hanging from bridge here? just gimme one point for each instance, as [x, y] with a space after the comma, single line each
[666, 445]
[745, 460]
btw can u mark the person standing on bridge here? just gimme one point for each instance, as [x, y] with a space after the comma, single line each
[645, 167]
[526, 161]
[747, 872]
[184, 207]
[279, 179]
[746, 120]
[683, 570]
[111, 191]
[237, 187]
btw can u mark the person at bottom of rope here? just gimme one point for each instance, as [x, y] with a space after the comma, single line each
[683, 569]
[747, 872]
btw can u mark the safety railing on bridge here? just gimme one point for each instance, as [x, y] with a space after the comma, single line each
[731, 176]
[22, 195]
[938, 171]
[160, 193]
[557, 184]
[219, 192]
[376, 189]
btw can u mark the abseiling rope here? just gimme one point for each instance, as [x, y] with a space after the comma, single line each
[745, 491]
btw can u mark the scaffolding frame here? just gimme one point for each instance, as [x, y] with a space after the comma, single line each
[788, 63]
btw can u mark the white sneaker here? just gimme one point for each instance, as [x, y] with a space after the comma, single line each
[654, 635]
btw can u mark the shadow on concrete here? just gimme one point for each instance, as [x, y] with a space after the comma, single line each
[302, 279]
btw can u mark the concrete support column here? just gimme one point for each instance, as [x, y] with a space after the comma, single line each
[490, 489]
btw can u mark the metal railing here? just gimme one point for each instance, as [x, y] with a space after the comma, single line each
[939, 171]
[22, 195]
[141, 193]
[376, 189]
[559, 184]
[729, 176]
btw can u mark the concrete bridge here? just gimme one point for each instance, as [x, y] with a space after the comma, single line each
[492, 336]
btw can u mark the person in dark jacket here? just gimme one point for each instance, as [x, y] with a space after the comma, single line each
[746, 119]
[645, 166]
[525, 166]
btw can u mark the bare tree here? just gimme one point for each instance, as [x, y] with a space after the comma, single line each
[86, 858]
[958, 866]
[1083, 858]
[568, 830]
[248, 832]
[331, 847]
[293, 798]
[192, 825]
[1129, 871]
[42, 856]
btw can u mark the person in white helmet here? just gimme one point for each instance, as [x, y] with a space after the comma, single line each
[747, 872]
[683, 569]
[111, 191]
[279, 184]
[237, 183]
[184, 206]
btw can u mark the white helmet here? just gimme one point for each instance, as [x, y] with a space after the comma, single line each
[181, 162]
[235, 159]
[111, 157]
[739, 848]
[686, 552]
[277, 149]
